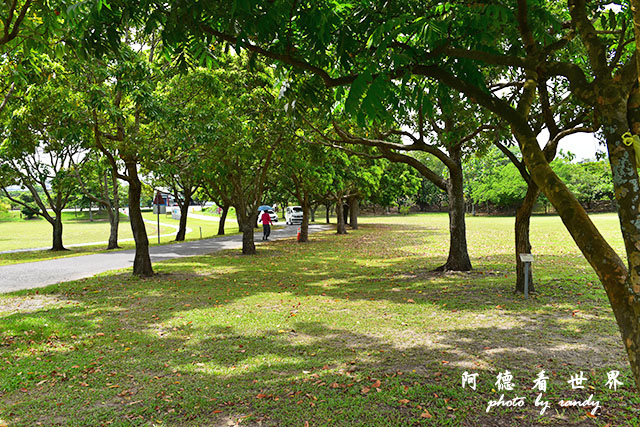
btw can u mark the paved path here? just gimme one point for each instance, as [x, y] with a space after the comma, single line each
[42, 273]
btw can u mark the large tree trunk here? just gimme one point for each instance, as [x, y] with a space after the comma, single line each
[304, 227]
[142, 260]
[522, 227]
[622, 286]
[340, 217]
[223, 219]
[313, 213]
[328, 206]
[245, 223]
[248, 245]
[345, 212]
[458, 259]
[182, 227]
[184, 211]
[57, 233]
[114, 222]
[354, 211]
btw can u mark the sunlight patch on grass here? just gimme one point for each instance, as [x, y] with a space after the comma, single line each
[304, 332]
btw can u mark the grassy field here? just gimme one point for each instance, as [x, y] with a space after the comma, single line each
[345, 330]
[22, 234]
[36, 233]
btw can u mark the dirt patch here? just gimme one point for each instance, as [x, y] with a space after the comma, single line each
[28, 304]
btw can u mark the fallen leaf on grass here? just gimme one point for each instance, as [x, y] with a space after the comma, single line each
[426, 414]
[403, 401]
[365, 390]
[376, 384]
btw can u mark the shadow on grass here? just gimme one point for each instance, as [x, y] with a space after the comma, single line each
[298, 333]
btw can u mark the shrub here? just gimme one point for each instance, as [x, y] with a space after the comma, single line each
[28, 213]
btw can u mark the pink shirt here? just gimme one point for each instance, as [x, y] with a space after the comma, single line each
[265, 218]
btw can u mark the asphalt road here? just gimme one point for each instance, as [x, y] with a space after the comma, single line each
[43, 273]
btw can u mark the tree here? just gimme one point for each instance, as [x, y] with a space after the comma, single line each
[98, 183]
[447, 146]
[42, 138]
[29, 29]
[301, 170]
[351, 175]
[448, 43]
[182, 135]
[118, 97]
[236, 120]
[590, 181]
[399, 184]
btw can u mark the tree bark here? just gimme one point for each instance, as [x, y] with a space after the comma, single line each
[313, 213]
[458, 259]
[182, 227]
[345, 212]
[184, 212]
[248, 245]
[354, 211]
[620, 285]
[247, 229]
[304, 227]
[57, 233]
[523, 243]
[328, 206]
[113, 208]
[341, 229]
[223, 219]
[142, 261]
[114, 222]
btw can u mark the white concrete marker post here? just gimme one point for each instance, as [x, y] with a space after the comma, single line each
[527, 259]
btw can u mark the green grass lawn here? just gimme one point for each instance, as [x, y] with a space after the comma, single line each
[21, 234]
[345, 330]
[209, 228]
[36, 233]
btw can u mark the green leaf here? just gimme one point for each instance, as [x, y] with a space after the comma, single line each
[357, 90]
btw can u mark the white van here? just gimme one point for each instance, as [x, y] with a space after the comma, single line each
[293, 215]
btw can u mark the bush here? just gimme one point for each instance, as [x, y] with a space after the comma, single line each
[28, 213]
[404, 210]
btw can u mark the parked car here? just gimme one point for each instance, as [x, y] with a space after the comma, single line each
[293, 215]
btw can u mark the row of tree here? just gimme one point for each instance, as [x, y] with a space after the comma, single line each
[224, 134]
[491, 179]
[443, 79]
[453, 71]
